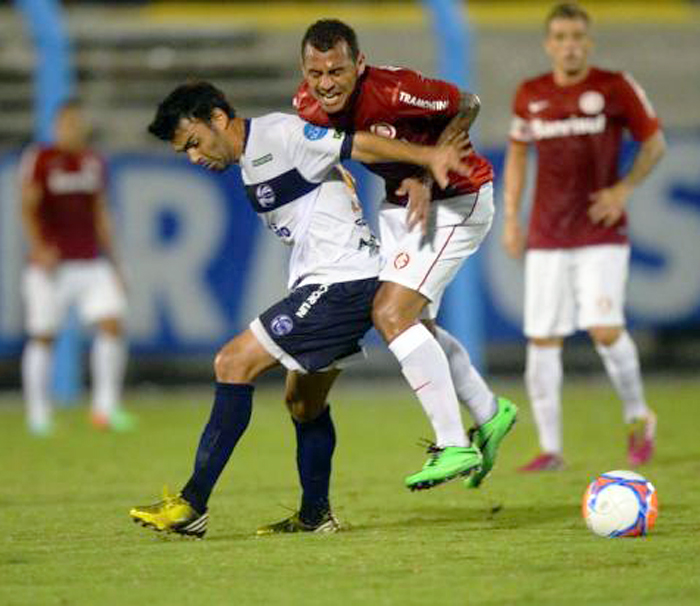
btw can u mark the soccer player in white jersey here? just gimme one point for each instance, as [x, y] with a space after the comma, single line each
[577, 247]
[294, 182]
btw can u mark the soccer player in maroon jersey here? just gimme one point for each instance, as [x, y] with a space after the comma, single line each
[342, 91]
[70, 262]
[577, 256]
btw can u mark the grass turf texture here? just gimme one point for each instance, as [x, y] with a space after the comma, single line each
[66, 537]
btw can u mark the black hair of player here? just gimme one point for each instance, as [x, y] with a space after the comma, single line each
[567, 10]
[326, 33]
[194, 101]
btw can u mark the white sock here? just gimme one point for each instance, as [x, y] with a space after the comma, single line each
[425, 367]
[543, 378]
[621, 361]
[37, 359]
[108, 363]
[470, 386]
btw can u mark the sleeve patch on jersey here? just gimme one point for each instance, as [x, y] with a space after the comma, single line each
[314, 133]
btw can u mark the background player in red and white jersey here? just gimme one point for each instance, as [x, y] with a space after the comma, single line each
[342, 91]
[67, 226]
[577, 249]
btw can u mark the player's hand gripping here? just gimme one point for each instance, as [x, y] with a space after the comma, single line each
[418, 190]
[449, 156]
[609, 204]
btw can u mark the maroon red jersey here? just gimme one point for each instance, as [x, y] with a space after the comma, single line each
[70, 184]
[399, 104]
[577, 131]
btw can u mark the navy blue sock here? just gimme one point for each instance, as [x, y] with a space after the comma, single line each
[315, 445]
[229, 418]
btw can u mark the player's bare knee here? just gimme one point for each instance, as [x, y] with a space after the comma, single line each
[45, 340]
[605, 335]
[111, 326]
[304, 411]
[231, 365]
[388, 319]
[547, 341]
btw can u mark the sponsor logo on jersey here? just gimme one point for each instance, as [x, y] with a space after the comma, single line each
[382, 129]
[591, 102]
[551, 129]
[435, 105]
[85, 181]
[265, 195]
[401, 260]
[311, 300]
[262, 160]
[314, 133]
[535, 107]
[281, 325]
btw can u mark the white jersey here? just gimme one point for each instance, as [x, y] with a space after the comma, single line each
[296, 185]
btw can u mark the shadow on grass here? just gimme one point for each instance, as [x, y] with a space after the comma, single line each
[492, 517]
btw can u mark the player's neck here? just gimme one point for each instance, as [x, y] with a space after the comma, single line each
[562, 78]
[69, 148]
[237, 129]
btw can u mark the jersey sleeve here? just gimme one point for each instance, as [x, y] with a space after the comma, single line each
[416, 96]
[519, 124]
[314, 150]
[640, 117]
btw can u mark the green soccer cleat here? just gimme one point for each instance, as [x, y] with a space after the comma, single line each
[445, 464]
[172, 514]
[328, 524]
[118, 420]
[488, 438]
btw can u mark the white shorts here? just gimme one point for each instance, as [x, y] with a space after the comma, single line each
[427, 265]
[577, 288]
[91, 285]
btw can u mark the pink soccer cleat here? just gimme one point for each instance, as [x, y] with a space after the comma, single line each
[642, 440]
[547, 461]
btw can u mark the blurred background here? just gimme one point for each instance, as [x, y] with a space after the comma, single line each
[200, 266]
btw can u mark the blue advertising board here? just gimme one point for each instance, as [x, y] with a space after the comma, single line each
[200, 265]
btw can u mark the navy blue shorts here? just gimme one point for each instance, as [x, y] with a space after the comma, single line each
[317, 324]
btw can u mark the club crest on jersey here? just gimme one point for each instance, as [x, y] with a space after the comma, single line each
[281, 325]
[314, 133]
[401, 260]
[591, 102]
[382, 129]
[265, 195]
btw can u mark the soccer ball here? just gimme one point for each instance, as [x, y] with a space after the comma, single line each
[620, 504]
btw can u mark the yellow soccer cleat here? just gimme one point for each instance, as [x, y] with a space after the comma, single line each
[172, 514]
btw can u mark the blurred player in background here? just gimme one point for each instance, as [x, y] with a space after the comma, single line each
[71, 261]
[578, 252]
[342, 91]
[294, 182]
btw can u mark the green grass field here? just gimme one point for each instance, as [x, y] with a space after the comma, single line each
[66, 538]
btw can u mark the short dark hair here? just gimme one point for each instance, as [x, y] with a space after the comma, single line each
[326, 33]
[567, 10]
[194, 100]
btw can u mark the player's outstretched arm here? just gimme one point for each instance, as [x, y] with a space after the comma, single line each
[440, 159]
